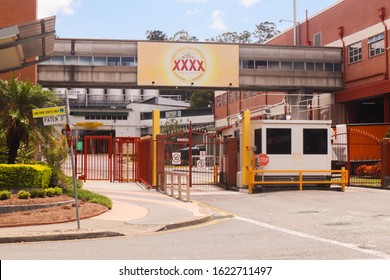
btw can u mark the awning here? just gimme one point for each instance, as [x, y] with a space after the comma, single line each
[26, 44]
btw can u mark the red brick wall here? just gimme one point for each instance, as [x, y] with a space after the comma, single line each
[13, 12]
[363, 79]
[354, 15]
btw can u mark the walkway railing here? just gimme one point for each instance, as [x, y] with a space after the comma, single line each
[341, 180]
[174, 184]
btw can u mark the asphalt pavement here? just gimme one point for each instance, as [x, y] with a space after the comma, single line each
[136, 211]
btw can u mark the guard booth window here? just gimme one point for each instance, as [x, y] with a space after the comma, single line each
[258, 141]
[315, 141]
[279, 141]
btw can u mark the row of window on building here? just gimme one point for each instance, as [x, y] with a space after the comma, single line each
[376, 46]
[234, 95]
[93, 60]
[244, 64]
[279, 141]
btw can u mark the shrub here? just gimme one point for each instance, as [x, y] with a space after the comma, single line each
[50, 192]
[369, 170]
[23, 195]
[5, 195]
[38, 193]
[360, 170]
[24, 176]
[57, 191]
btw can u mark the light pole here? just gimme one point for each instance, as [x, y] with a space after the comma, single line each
[294, 21]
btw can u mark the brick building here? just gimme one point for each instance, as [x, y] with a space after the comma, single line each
[361, 28]
[13, 13]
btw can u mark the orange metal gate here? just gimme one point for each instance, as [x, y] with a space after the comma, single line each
[360, 153]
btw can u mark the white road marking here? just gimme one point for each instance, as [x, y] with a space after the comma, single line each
[355, 247]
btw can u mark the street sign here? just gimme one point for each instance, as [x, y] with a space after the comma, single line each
[176, 158]
[54, 120]
[79, 145]
[262, 159]
[89, 125]
[202, 155]
[72, 93]
[47, 112]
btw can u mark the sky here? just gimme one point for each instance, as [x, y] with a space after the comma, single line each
[204, 19]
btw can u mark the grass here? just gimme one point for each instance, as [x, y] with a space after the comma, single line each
[89, 196]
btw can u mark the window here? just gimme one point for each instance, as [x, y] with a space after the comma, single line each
[225, 99]
[355, 52]
[231, 97]
[299, 65]
[85, 60]
[315, 141]
[72, 60]
[273, 65]
[58, 60]
[279, 141]
[376, 45]
[258, 140]
[319, 66]
[238, 96]
[128, 61]
[309, 66]
[113, 61]
[317, 40]
[261, 64]
[218, 101]
[329, 67]
[100, 60]
[247, 64]
[286, 65]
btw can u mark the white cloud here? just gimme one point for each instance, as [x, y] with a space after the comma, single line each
[217, 20]
[49, 7]
[249, 3]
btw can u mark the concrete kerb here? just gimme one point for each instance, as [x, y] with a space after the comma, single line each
[122, 229]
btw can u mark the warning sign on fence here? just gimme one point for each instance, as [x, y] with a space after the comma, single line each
[201, 164]
[176, 158]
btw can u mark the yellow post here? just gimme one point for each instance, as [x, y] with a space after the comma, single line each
[300, 180]
[155, 132]
[343, 178]
[246, 148]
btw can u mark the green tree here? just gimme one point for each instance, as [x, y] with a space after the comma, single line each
[17, 126]
[171, 126]
[264, 31]
[156, 35]
[55, 151]
[183, 36]
[202, 99]
[232, 37]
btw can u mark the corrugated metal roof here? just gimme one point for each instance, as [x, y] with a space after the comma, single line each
[36, 38]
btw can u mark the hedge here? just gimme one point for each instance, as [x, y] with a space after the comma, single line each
[24, 176]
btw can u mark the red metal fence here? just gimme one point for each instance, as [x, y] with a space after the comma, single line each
[145, 161]
[196, 153]
[98, 158]
[126, 158]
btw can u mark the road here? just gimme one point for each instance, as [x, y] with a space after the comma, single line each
[278, 225]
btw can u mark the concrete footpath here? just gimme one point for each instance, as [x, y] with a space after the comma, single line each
[136, 211]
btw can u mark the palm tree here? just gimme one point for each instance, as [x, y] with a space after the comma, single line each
[17, 126]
